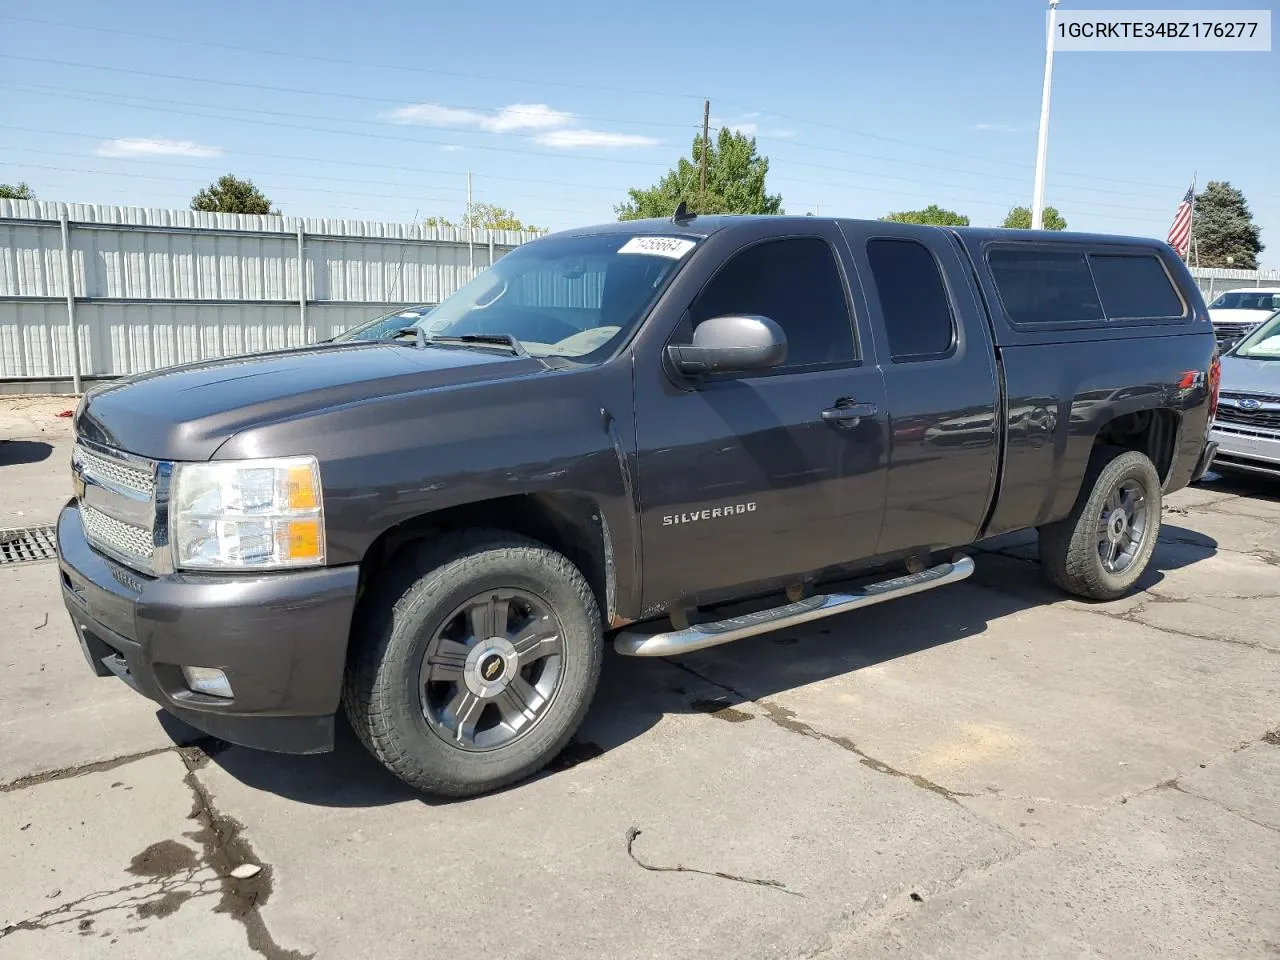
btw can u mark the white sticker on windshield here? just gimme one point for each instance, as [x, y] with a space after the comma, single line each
[673, 247]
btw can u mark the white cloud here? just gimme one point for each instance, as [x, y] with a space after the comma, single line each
[751, 126]
[553, 128]
[451, 147]
[748, 127]
[157, 147]
[571, 138]
[528, 116]
[516, 116]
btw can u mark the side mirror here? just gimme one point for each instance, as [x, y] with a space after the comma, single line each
[733, 344]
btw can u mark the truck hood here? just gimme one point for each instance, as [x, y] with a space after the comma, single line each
[1235, 315]
[1241, 375]
[187, 412]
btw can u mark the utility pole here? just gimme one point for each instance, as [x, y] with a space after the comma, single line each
[1042, 146]
[471, 249]
[706, 132]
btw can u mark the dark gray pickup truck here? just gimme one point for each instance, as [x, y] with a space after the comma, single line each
[670, 434]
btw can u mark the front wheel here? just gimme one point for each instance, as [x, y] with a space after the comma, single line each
[1103, 546]
[474, 667]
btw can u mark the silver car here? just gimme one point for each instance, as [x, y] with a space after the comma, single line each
[1247, 424]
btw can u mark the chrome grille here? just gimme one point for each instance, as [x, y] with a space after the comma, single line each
[112, 473]
[1250, 409]
[132, 543]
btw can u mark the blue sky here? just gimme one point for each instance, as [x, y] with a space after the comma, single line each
[378, 110]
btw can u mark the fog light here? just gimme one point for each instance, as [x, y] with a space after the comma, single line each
[208, 680]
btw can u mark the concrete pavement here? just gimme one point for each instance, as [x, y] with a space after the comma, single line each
[986, 770]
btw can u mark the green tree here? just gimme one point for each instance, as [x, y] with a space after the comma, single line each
[932, 215]
[230, 194]
[1019, 218]
[735, 182]
[21, 192]
[1223, 228]
[484, 216]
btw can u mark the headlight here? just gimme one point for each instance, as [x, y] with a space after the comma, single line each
[247, 514]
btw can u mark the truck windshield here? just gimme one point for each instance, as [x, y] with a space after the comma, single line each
[573, 297]
[1247, 300]
[1263, 343]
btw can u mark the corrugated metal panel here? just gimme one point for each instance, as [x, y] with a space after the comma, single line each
[232, 280]
[30, 260]
[35, 340]
[227, 222]
[1250, 277]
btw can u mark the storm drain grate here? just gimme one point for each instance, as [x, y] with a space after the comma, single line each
[29, 543]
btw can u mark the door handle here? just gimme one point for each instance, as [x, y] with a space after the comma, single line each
[849, 413]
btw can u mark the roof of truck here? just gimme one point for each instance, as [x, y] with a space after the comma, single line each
[704, 226]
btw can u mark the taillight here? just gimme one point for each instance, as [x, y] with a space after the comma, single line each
[1215, 384]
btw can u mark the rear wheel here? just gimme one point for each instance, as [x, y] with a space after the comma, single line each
[473, 669]
[1103, 546]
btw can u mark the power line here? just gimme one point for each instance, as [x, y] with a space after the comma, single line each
[344, 163]
[150, 106]
[363, 64]
[350, 133]
[146, 103]
[364, 98]
[672, 124]
[919, 194]
[265, 186]
[526, 80]
[293, 175]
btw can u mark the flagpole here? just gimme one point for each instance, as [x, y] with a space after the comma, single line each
[1193, 249]
[1042, 144]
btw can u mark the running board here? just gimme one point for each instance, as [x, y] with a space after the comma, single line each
[635, 643]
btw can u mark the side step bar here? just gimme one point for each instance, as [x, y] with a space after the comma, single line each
[636, 643]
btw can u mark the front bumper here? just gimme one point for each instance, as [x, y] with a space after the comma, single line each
[280, 638]
[1245, 448]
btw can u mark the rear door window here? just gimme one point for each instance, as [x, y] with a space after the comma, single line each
[1134, 287]
[913, 300]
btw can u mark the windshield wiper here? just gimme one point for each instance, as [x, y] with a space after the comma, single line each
[478, 339]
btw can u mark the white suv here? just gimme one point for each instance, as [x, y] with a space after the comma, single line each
[1247, 425]
[1237, 312]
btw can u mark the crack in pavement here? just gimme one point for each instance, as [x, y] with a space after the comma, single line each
[877, 911]
[172, 872]
[224, 848]
[1179, 788]
[162, 896]
[778, 885]
[786, 719]
[1030, 592]
[66, 773]
[1132, 616]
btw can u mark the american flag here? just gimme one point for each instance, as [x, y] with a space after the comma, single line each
[1180, 232]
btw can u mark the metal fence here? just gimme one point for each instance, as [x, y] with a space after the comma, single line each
[1215, 280]
[92, 291]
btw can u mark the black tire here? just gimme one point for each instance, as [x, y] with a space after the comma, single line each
[1070, 553]
[382, 695]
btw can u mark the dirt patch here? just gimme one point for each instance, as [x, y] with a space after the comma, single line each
[164, 859]
[164, 906]
[721, 710]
